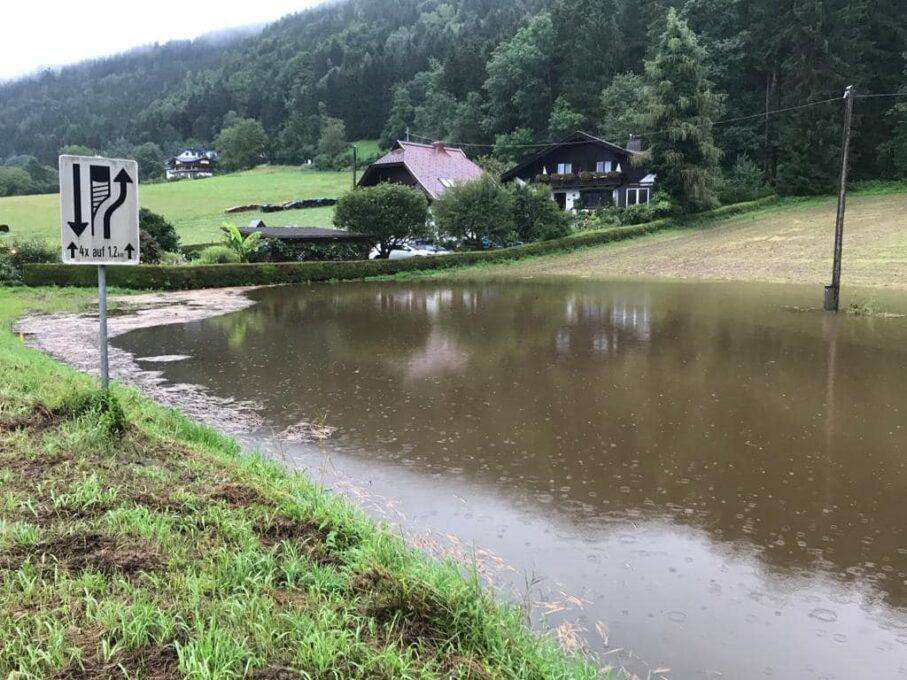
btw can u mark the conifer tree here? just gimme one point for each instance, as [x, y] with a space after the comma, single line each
[680, 110]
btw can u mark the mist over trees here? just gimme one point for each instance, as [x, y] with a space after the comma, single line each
[505, 73]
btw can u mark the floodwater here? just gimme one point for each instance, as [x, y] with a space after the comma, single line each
[703, 477]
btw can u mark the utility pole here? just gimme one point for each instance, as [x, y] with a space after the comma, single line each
[833, 291]
[407, 133]
[355, 160]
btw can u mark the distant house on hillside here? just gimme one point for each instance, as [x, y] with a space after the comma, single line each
[192, 164]
[429, 167]
[584, 171]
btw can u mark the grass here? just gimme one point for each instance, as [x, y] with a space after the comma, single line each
[134, 543]
[196, 207]
[788, 242]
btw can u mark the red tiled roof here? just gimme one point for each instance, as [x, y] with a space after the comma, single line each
[432, 164]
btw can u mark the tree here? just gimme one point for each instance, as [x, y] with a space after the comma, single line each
[77, 150]
[520, 81]
[680, 110]
[44, 179]
[150, 159]
[332, 144]
[14, 181]
[479, 213]
[536, 216]
[241, 145]
[621, 103]
[743, 183]
[390, 213]
[512, 147]
[564, 119]
[399, 118]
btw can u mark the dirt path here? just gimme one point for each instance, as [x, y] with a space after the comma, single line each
[788, 243]
[73, 339]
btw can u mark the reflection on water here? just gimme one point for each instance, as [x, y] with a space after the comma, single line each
[722, 478]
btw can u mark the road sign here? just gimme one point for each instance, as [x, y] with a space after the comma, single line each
[99, 203]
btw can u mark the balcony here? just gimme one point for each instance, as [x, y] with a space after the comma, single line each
[582, 180]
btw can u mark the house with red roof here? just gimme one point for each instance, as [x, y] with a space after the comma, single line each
[431, 168]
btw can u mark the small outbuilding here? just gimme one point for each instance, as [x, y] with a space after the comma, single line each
[305, 235]
[314, 243]
[432, 168]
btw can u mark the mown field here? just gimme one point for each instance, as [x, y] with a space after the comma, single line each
[196, 207]
[790, 242]
[135, 544]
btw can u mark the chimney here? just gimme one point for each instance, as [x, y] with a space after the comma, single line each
[438, 146]
[634, 144]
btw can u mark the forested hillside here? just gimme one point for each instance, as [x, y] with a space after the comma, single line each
[504, 72]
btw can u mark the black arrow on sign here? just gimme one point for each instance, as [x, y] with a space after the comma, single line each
[77, 225]
[129, 250]
[72, 249]
[123, 179]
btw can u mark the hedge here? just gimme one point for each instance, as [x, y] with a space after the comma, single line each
[185, 277]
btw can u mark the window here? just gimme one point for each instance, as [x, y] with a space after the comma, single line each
[603, 166]
[637, 196]
[446, 182]
[564, 168]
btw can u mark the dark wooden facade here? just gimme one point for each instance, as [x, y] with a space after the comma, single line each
[584, 171]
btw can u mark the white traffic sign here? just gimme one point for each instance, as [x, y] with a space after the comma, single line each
[99, 202]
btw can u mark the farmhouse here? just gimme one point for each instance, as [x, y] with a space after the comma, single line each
[584, 171]
[192, 164]
[429, 167]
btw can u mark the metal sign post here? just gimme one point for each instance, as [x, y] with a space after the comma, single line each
[99, 206]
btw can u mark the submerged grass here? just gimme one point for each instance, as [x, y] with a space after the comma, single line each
[134, 543]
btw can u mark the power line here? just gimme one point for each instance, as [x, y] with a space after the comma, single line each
[765, 114]
[652, 133]
[883, 94]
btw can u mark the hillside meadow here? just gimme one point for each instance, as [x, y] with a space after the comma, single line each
[196, 207]
[788, 242]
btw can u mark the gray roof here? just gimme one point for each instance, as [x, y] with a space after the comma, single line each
[302, 233]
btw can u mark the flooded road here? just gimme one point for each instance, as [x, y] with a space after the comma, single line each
[703, 477]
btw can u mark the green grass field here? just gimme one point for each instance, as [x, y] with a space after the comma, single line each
[196, 207]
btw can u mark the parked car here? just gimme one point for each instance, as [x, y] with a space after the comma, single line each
[416, 249]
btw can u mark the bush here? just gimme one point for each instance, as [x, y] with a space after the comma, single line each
[245, 247]
[34, 251]
[149, 250]
[536, 216]
[173, 259]
[477, 213]
[15, 255]
[160, 229]
[390, 213]
[218, 255]
[743, 183]
[275, 250]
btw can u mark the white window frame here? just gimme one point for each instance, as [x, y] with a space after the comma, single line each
[637, 195]
[603, 166]
[564, 168]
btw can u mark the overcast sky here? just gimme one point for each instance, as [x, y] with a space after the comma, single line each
[38, 33]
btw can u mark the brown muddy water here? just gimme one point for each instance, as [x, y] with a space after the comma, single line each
[703, 477]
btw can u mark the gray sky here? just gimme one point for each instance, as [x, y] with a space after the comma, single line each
[37, 33]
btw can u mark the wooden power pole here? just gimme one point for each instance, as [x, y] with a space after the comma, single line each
[833, 291]
[355, 161]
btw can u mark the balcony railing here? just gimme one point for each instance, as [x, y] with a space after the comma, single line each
[575, 180]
